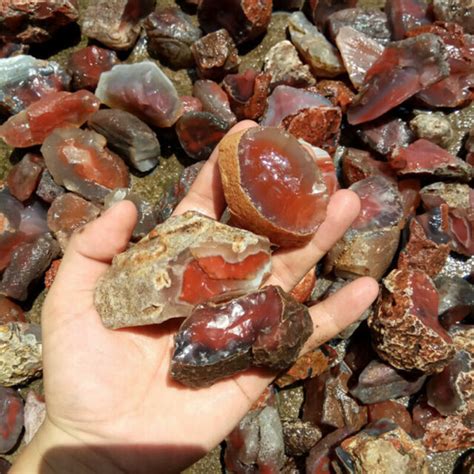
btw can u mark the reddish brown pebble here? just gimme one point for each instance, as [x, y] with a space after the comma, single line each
[51, 273]
[403, 15]
[322, 9]
[87, 64]
[405, 327]
[215, 55]
[191, 104]
[421, 253]
[11, 418]
[390, 410]
[10, 312]
[337, 92]
[23, 178]
[214, 100]
[302, 291]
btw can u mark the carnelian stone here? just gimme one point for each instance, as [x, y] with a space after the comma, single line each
[24, 176]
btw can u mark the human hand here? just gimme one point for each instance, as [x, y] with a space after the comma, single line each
[111, 404]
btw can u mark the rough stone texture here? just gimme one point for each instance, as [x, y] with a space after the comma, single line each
[383, 448]
[405, 328]
[456, 299]
[120, 294]
[266, 328]
[11, 418]
[290, 401]
[392, 411]
[457, 11]
[299, 436]
[215, 55]
[403, 15]
[379, 382]
[35, 413]
[20, 353]
[51, 273]
[434, 127]
[302, 291]
[455, 195]
[23, 178]
[47, 189]
[115, 23]
[337, 92]
[286, 68]
[29, 262]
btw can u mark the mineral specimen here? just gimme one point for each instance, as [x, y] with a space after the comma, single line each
[456, 297]
[181, 263]
[455, 195]
[321, 10]
[302, 291]
[147, 215]
[403, 15]
[369, 21]
[23, 178]
[383, 447]
[390, 410]
[379, 382]
[199, 133]
[142, 89]
[129, 137]
[385, 134]
[191, 104]
[79, 161]
[404, 68]
[266, 328]
[20, 353]
[47, 189]
[369, 245]
[405, 327]
[214, 100]
[10, 312]
[170, 36]
[60, 109]
[25, 79]
[283, 166]
[116, 23]
[457, 11]
[215, 55]
[299, 436]
[28, 262]
[11, 416]
[424, 157]
[421, 253]
[68, 213]
[321, 56]
[34, 21]
[51, 273]
[35, 414]
[285, 67]
[87, 64]
[434, 127]
[245, 20]
[247, 93]
[358, 52]
[337, 92]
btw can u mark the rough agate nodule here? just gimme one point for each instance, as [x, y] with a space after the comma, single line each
[272, 185]
[187, 260]
[266, 328]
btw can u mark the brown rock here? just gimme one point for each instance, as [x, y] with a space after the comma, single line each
[302, 291]
[23, 178]
[10, 312]
[390, 410]
[299, 436]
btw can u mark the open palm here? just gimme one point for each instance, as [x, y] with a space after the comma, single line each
[112, 389]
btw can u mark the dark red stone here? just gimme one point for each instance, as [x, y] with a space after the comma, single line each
[403, 15]
[247, 93]
[191, 104]
[59, 109]
[266, 328]
[337, 92]
[51, 273]
[322, 9]
[23, 178]
[409, 190]
[10, 312]
[170, 35]
[199, 133]
[215, 55]
[34, 21]
[461, 230]
[390, 410]
[245, 20]
[405, 68]
[11, 418]
[214, 100]
[456, 297]
[302, 291]
[87, 64]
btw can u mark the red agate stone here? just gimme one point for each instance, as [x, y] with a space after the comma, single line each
[10, 312]
[60, 109]
[142, 89]
[405, 327]
[266, 328]
[187, 260]
[285, 170]
[302, 291]
[51, 273]
[337, 92]
[390, 410]
[404, 68]
[11, 416]
[215, 55]
[456, 297]
[214, 100]
[79, 161]
[116, 23]
[403, 15]
[461, 229]
[34, 21]
[453, 194]
[87, 64]
[199, 133]
[424, 157]
[248, 93]
[321, 10]
[409, 190]
[243, 19]
[191, 104]
[326, 165]
[24, 176]
[68, 213]
[359, 52]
